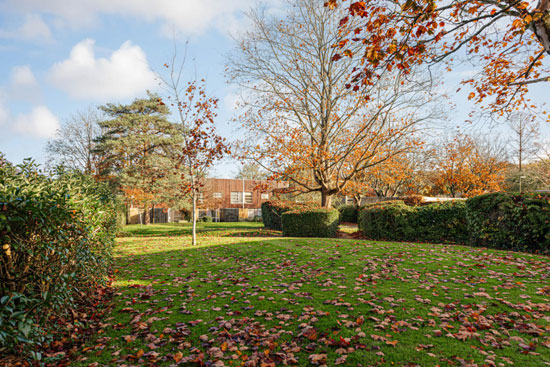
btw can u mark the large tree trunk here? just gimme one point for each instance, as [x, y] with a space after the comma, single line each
[326, 200]
[194, 219]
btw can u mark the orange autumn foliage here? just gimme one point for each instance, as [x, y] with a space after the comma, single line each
[465, 169]
[508, 40]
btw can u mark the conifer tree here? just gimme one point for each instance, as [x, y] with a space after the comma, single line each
[134, 143]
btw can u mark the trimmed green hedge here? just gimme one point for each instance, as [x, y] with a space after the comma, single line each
[508, 221]
[310, 223]
[348, 213]
[439, 222]
[396, 221]
[385, 220]
[272, 211]
[503, 221]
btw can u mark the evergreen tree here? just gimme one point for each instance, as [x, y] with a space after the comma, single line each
[134, 143]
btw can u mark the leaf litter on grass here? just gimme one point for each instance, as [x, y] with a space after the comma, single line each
[276, 301]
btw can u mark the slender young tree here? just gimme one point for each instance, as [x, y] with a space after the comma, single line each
[304, 122]
[199, 145]
[525, 132]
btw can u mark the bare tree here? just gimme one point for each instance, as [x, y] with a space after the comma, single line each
[305, 123]
[525, 131]
[74, 143]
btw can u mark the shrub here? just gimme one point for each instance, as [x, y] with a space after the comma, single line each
[310, 222]
[438, 222]
[273, 210]
[348, 213]
[396, 221]
[56, 237]
[384, 220]
[206, 219]
[518, 222]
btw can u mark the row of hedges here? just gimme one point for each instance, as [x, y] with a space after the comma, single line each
[501, 220]
[56, 236]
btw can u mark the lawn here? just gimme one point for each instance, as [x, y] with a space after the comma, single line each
[246, 297]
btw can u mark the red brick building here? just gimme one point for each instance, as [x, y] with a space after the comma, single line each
[230, 200]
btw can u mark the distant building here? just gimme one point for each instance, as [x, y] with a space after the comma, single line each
[232, 200]
[225, 200]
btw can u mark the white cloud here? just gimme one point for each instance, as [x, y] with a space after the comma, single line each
[23, 84]
[40, 122]
[187, 16]
[33, 29]
[124, 74]
[4, 111]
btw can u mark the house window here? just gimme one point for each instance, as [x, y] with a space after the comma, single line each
[217, 195]
[237, 197]
[201, 197]
[265, 196]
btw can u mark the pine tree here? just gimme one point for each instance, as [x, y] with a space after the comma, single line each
[134, 144]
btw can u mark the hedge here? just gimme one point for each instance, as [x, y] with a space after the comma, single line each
[56, 236]
[439, 222]
[510, 221]
[385, 220]
[272, 211]
[310, 223]
[506, 221]
[348, 213]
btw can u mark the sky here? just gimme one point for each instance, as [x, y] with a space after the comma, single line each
[59, 57]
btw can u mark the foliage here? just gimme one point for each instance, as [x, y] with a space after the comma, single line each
[518, 222]
[272, 211]
[385, 220]
[252, 171]
[310, 222]
[468, 167]
[206, 219]
[56, 236]
[348, 213]
[507, 40]
[438, 222]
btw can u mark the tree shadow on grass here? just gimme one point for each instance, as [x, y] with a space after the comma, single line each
[184, 229]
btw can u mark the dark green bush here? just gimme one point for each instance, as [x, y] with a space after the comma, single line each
[396, 221]
[310, 222]
[272, 211]
[385, 220]
[438, 222]
[56, 236]
[348, 213]
[518, 222]
[206, 219]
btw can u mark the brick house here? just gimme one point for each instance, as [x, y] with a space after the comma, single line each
[230, 200]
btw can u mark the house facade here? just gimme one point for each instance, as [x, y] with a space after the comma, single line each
[222, 199]
[231, 200]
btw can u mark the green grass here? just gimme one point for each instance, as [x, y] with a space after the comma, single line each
[242, 296]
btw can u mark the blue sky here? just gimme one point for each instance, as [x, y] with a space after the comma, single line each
[63, 56]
